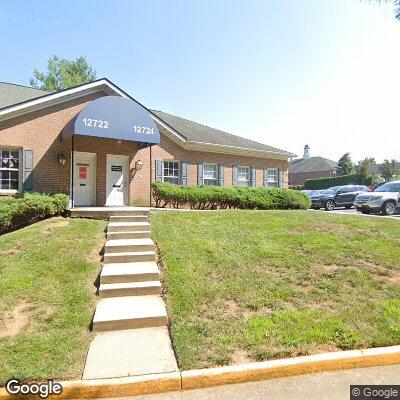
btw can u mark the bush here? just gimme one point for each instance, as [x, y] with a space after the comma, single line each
[325, 183]
[19, 211]
[213, 197]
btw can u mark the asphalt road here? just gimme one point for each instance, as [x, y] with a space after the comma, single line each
[325, 385]
[352, 211]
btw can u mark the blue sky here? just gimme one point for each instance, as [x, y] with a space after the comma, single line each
[283, 72]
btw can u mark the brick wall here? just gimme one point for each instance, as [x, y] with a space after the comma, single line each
[300, 177]
[40, 132]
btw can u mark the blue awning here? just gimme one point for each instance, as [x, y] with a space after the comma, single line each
[114, 117]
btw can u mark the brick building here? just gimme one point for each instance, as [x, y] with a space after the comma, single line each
[101, 147]
[301, 169]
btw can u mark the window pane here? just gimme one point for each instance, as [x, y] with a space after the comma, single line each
[171, 172]
[9, 165]
[210, 171]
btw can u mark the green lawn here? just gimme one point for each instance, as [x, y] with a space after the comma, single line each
[47, 297]
[258, 285]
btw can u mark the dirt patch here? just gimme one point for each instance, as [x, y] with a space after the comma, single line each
[15, 321]
[324, 348]
[247, 313]
[10, 252]
[240, 356]
[50, 228]
[231, 308]
[329, 268]
[96, 254]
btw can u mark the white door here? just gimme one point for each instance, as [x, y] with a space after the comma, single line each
[84, 179]
[117, 178]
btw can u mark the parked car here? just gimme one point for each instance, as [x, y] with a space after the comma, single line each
[337, 196]
[383, 199]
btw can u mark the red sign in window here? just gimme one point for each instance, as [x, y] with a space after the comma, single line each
[82, 172]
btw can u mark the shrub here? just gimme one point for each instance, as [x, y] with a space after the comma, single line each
[325, 183]
[19, 211]
[213, 197]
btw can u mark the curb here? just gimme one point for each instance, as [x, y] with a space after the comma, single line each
[202, 378]
[290, 366]
[116, 387]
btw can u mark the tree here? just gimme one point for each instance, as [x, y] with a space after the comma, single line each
[396, 4]
[345, 164]
[388, 170]
[62, 74]
[362, 169]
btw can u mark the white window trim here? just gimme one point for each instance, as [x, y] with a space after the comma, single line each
[244, 180]
[275, 182]
[216, 179]
[20, 171]
[171, 176]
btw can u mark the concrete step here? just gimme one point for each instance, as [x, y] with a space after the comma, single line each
[127, 226]
[126, 257]
[129, 289]
[106, 212]
[129, 312]
[129, 218]
[130, 272]
[128, 235]
[130, 352]
[128, 245]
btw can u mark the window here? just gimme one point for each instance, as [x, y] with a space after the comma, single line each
[210, 174]
[272, 177]
[9, 170]
[171, 172]
[244, 176]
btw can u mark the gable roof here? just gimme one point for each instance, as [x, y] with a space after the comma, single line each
[11, 94]
[198, 133]
[17, 99]
[312, 164]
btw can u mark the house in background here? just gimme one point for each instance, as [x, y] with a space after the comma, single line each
[100, 146]
[301, 169]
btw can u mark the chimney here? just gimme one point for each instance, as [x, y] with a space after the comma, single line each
[306, 154]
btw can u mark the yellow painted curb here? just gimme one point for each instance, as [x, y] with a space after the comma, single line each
[118, 387]
[195, 379]
[290, 366]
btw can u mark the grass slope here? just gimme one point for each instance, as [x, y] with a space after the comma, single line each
[248, 285]
[47, 272]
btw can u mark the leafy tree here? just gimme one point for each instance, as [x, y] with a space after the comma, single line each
[62, 74]
[345, 164]
[396, 4]
[362, 170]
[388, 170]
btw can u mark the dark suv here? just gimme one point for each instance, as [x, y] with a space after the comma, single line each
[337, 196]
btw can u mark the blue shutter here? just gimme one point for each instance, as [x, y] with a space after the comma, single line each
[200, 179]
[28, 171]
[184, 174]
[221, 175]
[280, 177]
[265, 177]
[159, 170]
[253, 177]
[234, 175]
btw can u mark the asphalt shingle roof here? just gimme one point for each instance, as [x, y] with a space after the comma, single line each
[196, 132]
[11, 94]
[311, 164]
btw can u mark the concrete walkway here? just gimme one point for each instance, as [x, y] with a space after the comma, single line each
[130, 318]
[321, 386]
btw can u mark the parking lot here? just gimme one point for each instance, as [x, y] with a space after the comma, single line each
[352, 211]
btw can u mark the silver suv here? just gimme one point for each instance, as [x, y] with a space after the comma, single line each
[383, 199]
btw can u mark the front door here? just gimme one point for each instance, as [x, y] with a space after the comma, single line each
[84, 178]
[117, 178]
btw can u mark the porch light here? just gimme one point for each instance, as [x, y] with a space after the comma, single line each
[139, 164]
[62, 159]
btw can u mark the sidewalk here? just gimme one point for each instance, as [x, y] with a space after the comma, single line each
[325, 385]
